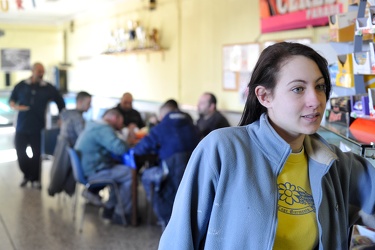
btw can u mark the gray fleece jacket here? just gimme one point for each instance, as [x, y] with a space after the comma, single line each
[228, 196]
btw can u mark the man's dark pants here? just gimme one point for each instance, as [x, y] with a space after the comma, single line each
[30, 167]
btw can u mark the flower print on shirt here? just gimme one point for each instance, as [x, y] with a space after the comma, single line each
[294, 199]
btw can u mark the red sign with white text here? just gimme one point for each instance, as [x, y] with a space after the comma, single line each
[278, 15]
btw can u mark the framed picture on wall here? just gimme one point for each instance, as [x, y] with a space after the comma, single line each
[15, 59]
[238, 61]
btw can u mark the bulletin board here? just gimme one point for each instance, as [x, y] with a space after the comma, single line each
[238, 63]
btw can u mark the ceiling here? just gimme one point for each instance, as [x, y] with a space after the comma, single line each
[48, 12]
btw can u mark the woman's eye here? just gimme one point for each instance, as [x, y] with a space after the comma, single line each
[321, 87]
[297, 90]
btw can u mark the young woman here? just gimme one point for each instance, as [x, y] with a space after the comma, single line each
[272, 183]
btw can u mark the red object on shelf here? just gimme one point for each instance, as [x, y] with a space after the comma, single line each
[363, 130]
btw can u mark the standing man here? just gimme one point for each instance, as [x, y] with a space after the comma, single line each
[30, 98]
[131, 116]
[209, 118]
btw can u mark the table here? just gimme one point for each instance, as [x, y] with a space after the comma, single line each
[136, 162]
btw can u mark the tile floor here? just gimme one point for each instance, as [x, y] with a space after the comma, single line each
[31, 219]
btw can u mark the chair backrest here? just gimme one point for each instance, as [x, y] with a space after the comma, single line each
[176, 165]
[49, 139]
[76, 166]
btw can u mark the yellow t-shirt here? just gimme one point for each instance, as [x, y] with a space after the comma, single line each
[297, 227]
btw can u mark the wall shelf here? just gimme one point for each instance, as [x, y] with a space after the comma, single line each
[359, 137]
[135, 51]
[146, 51]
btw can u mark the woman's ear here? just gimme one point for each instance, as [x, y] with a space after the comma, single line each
[263, 95]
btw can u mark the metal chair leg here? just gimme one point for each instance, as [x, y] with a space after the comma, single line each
[149, 204]
[83, 217]
[74, 208]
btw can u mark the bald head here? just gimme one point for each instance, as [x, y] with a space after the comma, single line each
[37, 72]
[126, 101]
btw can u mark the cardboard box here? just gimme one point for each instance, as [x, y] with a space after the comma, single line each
[369, 81]
[339, 117]
[365, 26]
[345, 80]
[342, 26]
[359, 105]
[342, 20]
[342, 35]
[345, 63]
[333, 71]
[362, 62]
[341, 103]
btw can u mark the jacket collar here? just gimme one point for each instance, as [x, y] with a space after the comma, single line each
[315, 146]
[41, 83]
[318, 149]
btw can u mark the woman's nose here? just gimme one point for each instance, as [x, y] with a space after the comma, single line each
[314, 98]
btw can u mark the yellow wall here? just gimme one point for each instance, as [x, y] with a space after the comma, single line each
[46, 44]
[192, 31]
[151, 77]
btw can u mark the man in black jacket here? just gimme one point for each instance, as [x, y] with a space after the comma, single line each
[30, 98]
[209, 117]
[131, 116]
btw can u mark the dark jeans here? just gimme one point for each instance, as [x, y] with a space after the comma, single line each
[122, 175]
[165, 187]
[30, 167]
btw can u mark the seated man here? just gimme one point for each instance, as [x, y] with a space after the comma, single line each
[72, 124]
[96, 144]
[209, 117]
[175, 104]
[131, 116]
[173, 139]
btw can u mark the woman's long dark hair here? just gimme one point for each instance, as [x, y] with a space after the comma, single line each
[266, 73]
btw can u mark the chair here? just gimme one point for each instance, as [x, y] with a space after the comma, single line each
[81, 179]
[48, 139]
